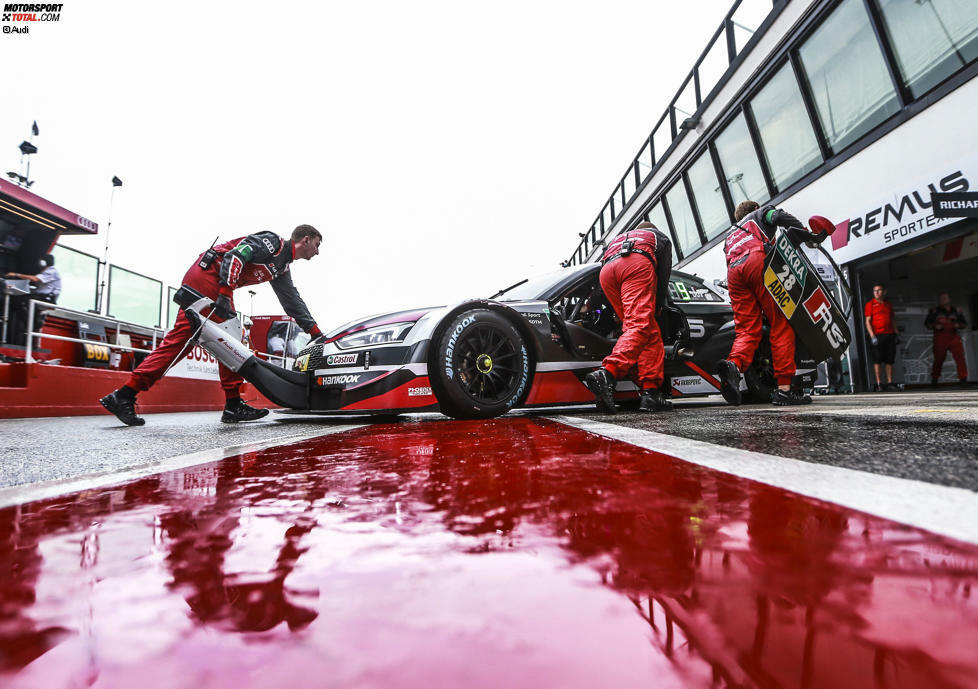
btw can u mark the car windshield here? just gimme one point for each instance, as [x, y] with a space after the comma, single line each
[534, 287]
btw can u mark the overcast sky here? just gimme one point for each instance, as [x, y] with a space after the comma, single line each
[444, 149]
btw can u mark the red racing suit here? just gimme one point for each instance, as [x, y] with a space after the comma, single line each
[745, 248]
[635, 278]
[259, 257]
[945, 324]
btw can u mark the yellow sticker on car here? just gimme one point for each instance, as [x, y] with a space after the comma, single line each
[778, 292]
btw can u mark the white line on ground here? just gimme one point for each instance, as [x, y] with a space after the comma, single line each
[18, 495]
[942, 510]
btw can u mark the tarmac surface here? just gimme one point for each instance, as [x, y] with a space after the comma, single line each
[926, 436]
[929, 436]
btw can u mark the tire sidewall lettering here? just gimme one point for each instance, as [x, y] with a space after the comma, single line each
[450, 349]
[453, 398]
[525, 376]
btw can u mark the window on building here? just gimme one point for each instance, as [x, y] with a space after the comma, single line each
[171, 308]
[708, 196]
[787, 139]
[79, 278]
[134, 298]
[738, 158]
[847, 75]
[932, 39]
[657, 216]
[682, 219]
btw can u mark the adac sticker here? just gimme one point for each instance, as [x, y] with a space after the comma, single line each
[777, 290]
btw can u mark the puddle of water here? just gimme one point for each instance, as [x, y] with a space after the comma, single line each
[509, 553]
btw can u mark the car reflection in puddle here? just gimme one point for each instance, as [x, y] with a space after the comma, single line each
[510, 553]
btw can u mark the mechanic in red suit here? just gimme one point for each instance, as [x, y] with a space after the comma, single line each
[751, 237]
[260, 257]
[946, 321]
[635, 277]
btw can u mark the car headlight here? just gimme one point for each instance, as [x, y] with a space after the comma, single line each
[381, 334]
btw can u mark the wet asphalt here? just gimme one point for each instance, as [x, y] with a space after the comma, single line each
[930, 436]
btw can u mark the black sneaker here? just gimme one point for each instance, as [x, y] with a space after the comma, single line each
[239, 411]
[877, 388]
[802, 397]
[601, 383]
[654, 400]
[780, 398]
[892, 387]
[123, 407]
[729, 376]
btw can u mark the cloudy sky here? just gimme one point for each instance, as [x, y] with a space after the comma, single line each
[444, 149]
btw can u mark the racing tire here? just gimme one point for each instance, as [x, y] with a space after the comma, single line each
[759, 377]
[481, 366]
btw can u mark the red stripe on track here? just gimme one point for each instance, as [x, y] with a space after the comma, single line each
[510, 553]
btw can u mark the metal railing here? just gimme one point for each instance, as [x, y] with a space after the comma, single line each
[646, 163]
[72, 314]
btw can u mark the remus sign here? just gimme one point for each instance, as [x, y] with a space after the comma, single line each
[959, 205]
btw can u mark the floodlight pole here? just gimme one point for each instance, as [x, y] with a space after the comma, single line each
[104, 263]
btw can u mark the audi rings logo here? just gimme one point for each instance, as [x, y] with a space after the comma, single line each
[87, 224]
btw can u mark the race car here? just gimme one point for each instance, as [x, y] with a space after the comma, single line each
[529, 345]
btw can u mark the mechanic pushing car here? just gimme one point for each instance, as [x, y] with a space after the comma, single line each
[635, 276]
[259, 257]
[745, 247]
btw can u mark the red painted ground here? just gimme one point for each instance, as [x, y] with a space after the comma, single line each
[511, 553]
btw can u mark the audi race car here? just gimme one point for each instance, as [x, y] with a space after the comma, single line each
[529, 345]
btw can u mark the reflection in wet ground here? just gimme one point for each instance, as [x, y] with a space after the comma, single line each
[510, 553]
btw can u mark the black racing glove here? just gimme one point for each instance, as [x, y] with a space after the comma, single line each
[785, 219]
[223, 308]
[803, 236]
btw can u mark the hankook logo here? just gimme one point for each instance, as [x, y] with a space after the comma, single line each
[347, 379]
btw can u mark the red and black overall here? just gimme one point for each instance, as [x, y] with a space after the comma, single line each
[946, 322]
[745, 247]
[635, 278]
[259, 257]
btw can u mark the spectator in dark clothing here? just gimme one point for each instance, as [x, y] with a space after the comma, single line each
[946, 322]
